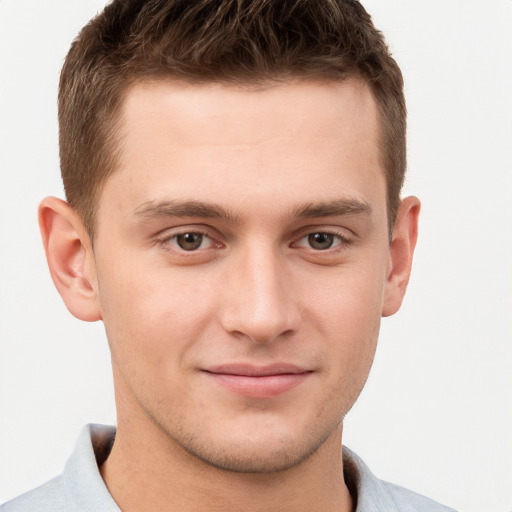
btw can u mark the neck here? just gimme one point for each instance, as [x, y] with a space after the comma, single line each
[148, 471]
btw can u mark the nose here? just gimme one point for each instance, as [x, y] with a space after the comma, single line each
[259, 302]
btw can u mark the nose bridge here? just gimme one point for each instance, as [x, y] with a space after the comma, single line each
[260, 304]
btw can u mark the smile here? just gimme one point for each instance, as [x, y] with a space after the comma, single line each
[258, 381]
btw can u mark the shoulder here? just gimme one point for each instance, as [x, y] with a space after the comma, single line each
[49, 497]
[407, 500]
[375, 495]
[80, 487]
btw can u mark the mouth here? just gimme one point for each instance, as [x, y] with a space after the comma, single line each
[258, 381]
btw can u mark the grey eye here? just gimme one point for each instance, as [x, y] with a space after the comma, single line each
[189, 241]
[321, 241]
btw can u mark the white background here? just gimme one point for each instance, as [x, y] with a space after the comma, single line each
[436, 414]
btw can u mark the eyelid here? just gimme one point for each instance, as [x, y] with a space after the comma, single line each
[173, 240]
[164, 238]
[343, 236]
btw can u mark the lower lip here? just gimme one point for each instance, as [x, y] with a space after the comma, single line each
[266, 386]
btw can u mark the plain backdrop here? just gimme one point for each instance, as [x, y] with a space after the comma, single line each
[436, 414]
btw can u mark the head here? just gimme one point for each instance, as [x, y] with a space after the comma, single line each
[244, 43]
[233, 170]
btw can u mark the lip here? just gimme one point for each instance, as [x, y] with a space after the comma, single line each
[258, 381]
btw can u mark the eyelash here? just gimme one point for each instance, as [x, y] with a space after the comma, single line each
[343, 239]
[167, 242]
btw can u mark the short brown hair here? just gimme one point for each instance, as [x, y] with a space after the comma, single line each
[232, 41]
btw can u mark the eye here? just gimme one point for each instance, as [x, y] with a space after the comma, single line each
[189, 241]
[321, 241]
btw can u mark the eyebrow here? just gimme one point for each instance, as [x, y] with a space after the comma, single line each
[334, 208]
[199, 209]
[181, 209]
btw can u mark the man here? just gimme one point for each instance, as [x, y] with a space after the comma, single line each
[233, 174]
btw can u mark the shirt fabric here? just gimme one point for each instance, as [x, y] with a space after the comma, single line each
[80, 488]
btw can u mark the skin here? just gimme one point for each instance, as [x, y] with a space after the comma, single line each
[290, 267]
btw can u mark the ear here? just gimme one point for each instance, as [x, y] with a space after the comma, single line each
[70, 258]
[401, 250]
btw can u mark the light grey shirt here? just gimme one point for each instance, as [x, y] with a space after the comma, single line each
[80, 488]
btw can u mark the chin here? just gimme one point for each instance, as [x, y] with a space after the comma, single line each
[255, 454]
[253, 459]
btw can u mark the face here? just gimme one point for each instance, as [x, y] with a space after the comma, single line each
[241, 261]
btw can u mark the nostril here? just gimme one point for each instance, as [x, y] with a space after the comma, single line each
[258, 327]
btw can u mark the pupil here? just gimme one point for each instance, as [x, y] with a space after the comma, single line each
[321, 240]
[190, 241]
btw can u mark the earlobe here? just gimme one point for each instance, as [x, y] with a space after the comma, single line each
[401, 250]
[70, 258]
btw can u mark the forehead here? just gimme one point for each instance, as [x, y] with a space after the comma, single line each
[291, 140]
[270, 109]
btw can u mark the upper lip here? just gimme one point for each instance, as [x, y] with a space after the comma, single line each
[250, 370]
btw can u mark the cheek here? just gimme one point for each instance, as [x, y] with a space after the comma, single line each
[154, 315]
[348, 318]
[350, 301]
